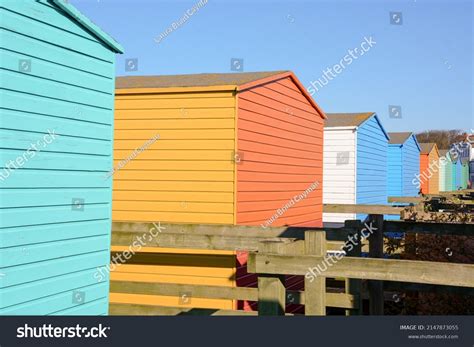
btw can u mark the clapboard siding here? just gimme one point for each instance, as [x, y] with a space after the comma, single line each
[458, 174]
[174, 266]
[465, 176]
[56, 124]
[434, 180]
[429, 174]
[411, 166]
[278, 127]
[339, 177]
[394, 171]
[190, 155]
[372, 145]
[185, 176]
[362, 178]
[443, 176]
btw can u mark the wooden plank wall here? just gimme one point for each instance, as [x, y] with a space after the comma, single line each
[185, 176]
[50, 246]
[280, 139]
[339, 176]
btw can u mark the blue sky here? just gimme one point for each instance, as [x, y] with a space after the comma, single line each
[424, 65]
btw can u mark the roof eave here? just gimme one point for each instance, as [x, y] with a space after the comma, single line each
[85, 22]
[374, 114]
[280, 76]
[162, 90]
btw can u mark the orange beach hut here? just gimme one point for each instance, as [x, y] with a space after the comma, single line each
[429, 168]
[238, 149]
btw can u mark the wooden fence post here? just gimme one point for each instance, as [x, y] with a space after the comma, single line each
[354, 286]
[315, 290]
[271, 288]
[376, 296]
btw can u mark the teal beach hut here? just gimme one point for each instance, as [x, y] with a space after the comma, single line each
[446, 174]
[56, 124]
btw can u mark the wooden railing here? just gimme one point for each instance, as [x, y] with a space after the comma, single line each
[275, 252]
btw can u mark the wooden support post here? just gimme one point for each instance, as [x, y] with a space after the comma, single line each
[354, 249]
[271, 288]
[375, 228]
[315, 290]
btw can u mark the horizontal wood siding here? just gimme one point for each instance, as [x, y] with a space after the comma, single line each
[424, 167]
[434, 179]
[280, 137]
[339, 185]
[454, 185]
[187, 174]
[280, 140]
[411, 167]
[372, 146]
[457, 177]
[175, 266]
[51, 248]
[442, 177]
[394, 171]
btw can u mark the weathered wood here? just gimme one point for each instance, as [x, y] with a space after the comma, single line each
[315, 288]
[271, 288]
[405, 199]
[209, 229]
[366, 209]
[376, 298]
[354, 286]
[141, 229]
[415, 271]
[195, 291]
[208, 242]
[339, 300]
[429, 228]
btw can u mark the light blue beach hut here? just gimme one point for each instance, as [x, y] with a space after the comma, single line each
[57, 80]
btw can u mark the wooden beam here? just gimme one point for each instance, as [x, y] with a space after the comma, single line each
[376, 298]
[210, 229]
[405, 199]
[354, 286]
[141, 229]
[207, 242]
[366, 209]
[195, 291]
[415, 271]
[315, 288]
[429, 228]
[271, 288]
[339, 300]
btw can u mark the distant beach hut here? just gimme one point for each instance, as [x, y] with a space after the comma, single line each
[355, 162]
[429, 168]
[446, 171]
[403, 164]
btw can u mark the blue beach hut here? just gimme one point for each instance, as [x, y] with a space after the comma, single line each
[403, 164]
